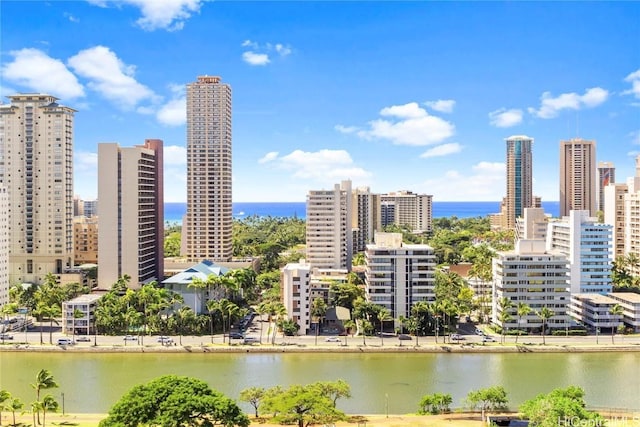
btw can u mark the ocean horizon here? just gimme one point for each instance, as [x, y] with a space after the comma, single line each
[173, 212]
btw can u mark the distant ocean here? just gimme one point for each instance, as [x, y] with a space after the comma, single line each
[173, 212]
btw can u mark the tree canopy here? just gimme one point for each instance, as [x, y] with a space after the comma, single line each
[172, 401]
[550, 410]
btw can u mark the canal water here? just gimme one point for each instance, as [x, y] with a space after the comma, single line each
[91, 383]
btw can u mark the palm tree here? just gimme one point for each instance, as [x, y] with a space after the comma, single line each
[262, 309]
[48, 404]
[4, 397]
[15, 405]
[77, 314]
[182, 317]
[545, 314]
[615, 310]
[522, 310]
[280, 311]
[384, 315]
[505, 305]
[212, 307]
[44, 381]
[318, 311]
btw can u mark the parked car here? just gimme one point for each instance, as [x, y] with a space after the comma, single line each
[332, 339]
[487, 338]
[130, 338]
[163, 338]
[83, 338]
[6, 337]
[457, 337]
[65, 341]
[251, 340]
[236, 335]
[479, 332]
[404, 337]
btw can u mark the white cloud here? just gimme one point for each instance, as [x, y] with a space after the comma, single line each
[110, 77]
[159, 14]
[485, 182]
[253, 58]
[635, 137]
[442, 150]
[268, 157]
[504, 118]
[249, 43]
[441, 105]
[634, 79]
[37, 71]
[346, 129]
[414, 126]
[173, 113]
[85, 161]
[282, 49]
[324, 166]
[550, 107]
[71, 18]
[174, 155]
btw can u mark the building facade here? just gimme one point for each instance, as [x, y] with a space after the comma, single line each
[78, 314]
[606, 176]
[587, 245]
[4, 247]
[577, 176]
[594, 312]
[398, 275]
[85, 239]
[207, 225]
[130, 225]
[532, 224]
[614, 215]
[365, 218]
[531, 275]
[36, 167]
[328, 230]
[295, 290]
[409, 209]
[519, 195]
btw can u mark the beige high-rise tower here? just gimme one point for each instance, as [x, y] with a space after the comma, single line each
[36, 168]
[207, 225]
[577, 176]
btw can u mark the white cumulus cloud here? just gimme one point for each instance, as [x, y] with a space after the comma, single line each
[159, 14]
[268, 157]
[408, 124]
[35, 70]
[442, 150]
[110, 77]
[174, 155]
[346, 129]
[634, 79]
[551, 106]
[485, 182]
[441, 105]
[504, 118]
[173, 113]
[324, 166]
[253, 58]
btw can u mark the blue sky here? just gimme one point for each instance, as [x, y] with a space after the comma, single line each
[394, 95]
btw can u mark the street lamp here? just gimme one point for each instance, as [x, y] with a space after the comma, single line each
[386, 404]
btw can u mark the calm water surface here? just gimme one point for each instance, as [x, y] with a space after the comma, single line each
[93, 382]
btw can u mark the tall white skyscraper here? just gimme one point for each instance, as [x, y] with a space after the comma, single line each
[4, 247]
[130, 224]
[36, 167]
[208, 222]
[329, 233]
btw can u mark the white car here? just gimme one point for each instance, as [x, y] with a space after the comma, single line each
[332, 339]
[83, 339]
[130, 338]
[487, 338]
[457, 337]
[65, 341]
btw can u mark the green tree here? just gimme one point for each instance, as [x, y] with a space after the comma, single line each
[345, 294]
[173, 401]
[436, 403]
[44, 381]
[615, 310]
[488, 399]
[15, 405]
[522, 310]
[504, 304]
[560, 407]
[48, 404]
[317, 312]
[384, 315]
[253, 396]
[172, 244]
[545, 314]
[5, 396]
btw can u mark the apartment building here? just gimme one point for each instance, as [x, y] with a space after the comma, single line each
[36, 168]
[130, 225]
[208, 223]
[329, 235]
[519, 168]
[630, 303]
[78, 314]
[406, 208]
[536, 277]
[532, 224]
[614, 215]
[397, 275]
[85, 239]
[594, 311]
[606, 176]
[365, 217]
[577, 176]
[4, 247]
[587, 245]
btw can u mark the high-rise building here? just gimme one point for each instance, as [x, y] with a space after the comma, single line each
[606, 176]
[532, 225]
[587, 245]
[519, 179]
[398, 275]
[4, 247]
[409, 209]
[328, 231]
[614, 215]
[365, 219]
[207, 226]
[85, 239]
[130, 224]
[36, 167]
[577, 176]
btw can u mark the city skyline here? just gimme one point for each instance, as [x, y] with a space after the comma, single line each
[415, 96]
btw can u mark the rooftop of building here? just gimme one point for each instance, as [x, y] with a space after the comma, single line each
[87, 298]
[594, 298]
[627, 296]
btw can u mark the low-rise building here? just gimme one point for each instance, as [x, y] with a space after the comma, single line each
[630, 304]
[196, 297]
[78, 314]
[594, 311]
